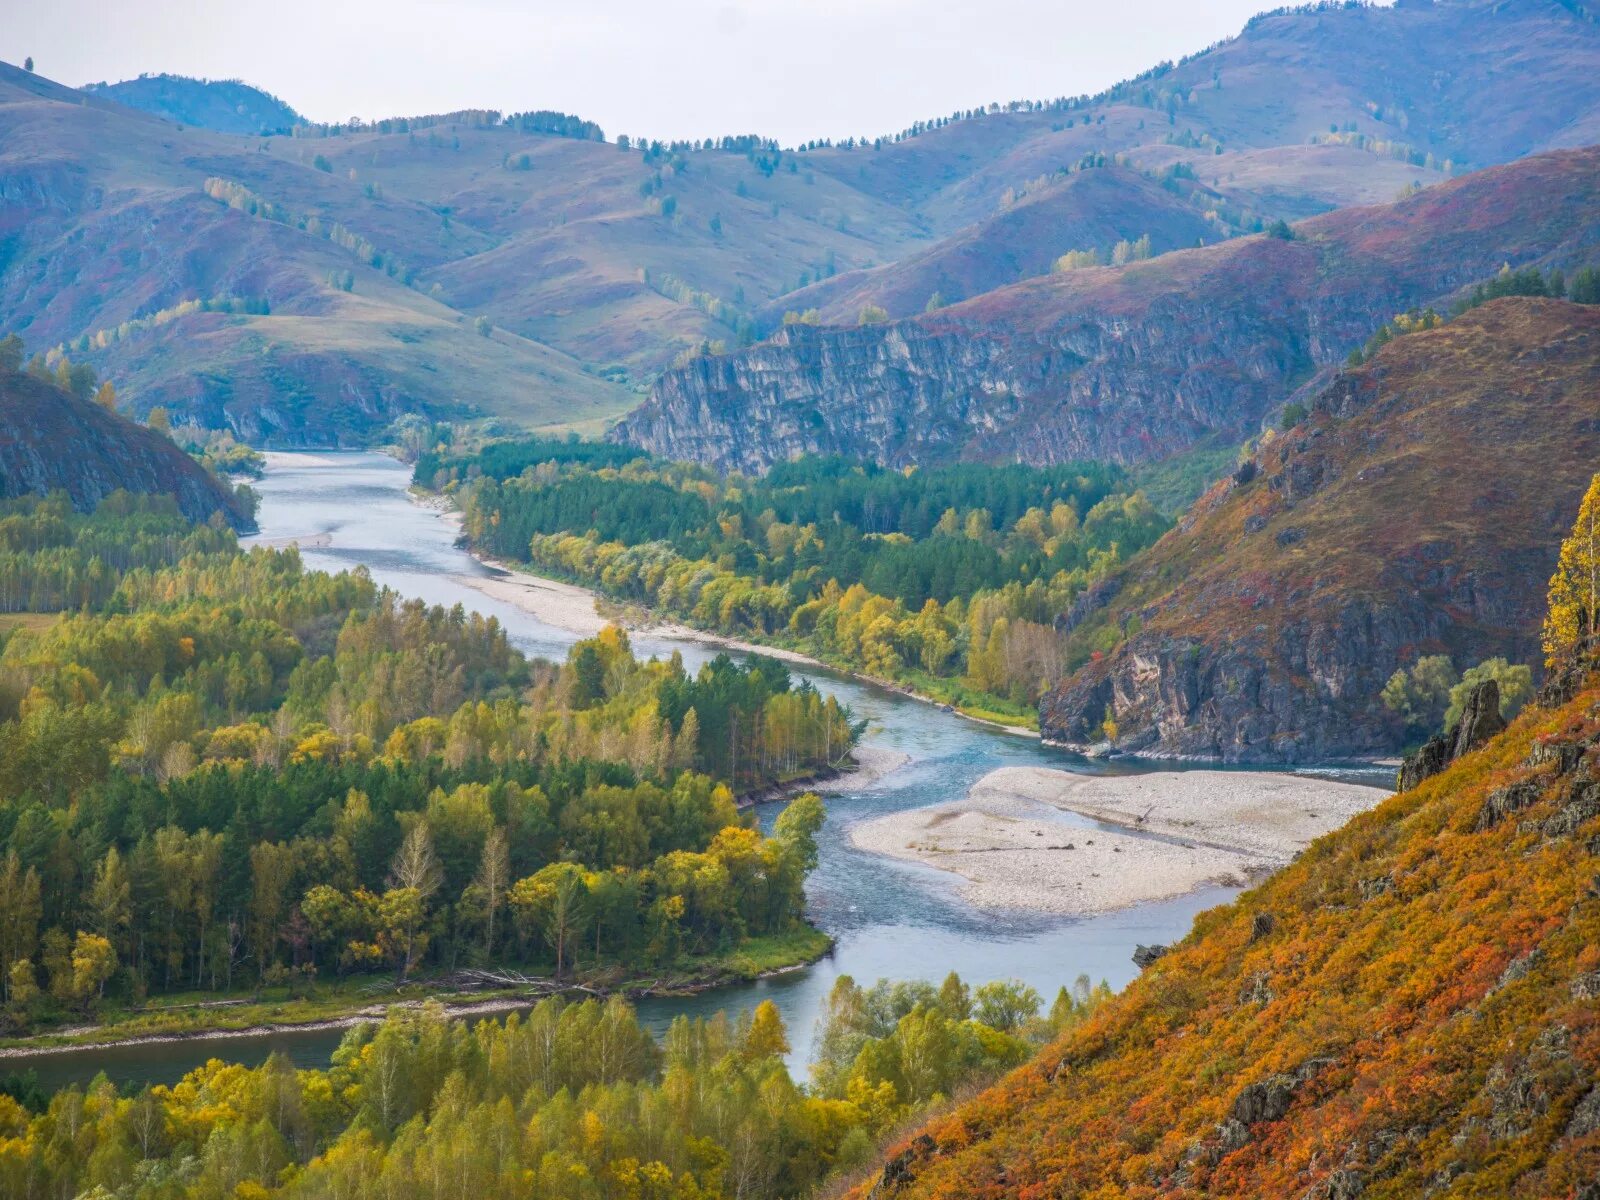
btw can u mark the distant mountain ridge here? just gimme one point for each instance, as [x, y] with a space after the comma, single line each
[1131, 364]
[459, 268]
[225, 105]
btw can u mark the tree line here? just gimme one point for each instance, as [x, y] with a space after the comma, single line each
[566, 1102]
[951, 578]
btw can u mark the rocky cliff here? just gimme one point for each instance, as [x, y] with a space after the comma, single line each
[1417, 510]
[1129, 364]
[52, 441]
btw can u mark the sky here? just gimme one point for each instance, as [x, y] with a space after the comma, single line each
[788, 69]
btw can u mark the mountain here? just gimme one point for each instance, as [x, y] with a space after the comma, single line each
[50, 440]
[362, 260]
[225, 105]
[1127, 364]
[1417, 510]
[1089, 210]
[1407, 1010]
[287, 320]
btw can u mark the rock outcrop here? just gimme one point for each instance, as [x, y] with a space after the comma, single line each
[1127, 365]
[1480, 721]
[1235, 642]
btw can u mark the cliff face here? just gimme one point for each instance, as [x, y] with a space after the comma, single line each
[52, 441]
[1418, 510]
[1406, 1010]
[1128, 364]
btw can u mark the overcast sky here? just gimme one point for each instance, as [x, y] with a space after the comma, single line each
[790, 69]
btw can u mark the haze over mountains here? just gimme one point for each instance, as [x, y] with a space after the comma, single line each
[472, 266]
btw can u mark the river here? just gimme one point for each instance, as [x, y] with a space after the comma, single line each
[889, 919]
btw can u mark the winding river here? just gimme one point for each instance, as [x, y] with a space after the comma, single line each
[889, 919]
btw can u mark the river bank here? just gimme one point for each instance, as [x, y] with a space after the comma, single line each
[1175, 832]
[577, 609]
[761, 958]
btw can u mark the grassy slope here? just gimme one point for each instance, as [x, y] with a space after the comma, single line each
[1429, 975]
[102, 223]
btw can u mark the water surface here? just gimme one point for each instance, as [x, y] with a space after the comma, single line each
[889, 919]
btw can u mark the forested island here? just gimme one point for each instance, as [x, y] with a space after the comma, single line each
[949, 580]
[230, 776]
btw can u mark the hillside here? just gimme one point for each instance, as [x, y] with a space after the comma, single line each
[1407, 1010]
[1129, 364]
[52, 441]
[1417, 510]
[225, 105]
[599, 267]
[1089, 210]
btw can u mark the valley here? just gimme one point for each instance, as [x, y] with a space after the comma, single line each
[1047, 652]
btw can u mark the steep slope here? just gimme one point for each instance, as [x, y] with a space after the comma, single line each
[1131, 364]
[604, 266]
[1089, 210]
[225, 105]
[1410, 1009]
[1416, 511]
[52, 441]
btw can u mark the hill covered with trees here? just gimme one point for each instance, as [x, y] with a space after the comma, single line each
[225, 105]
[60, 432]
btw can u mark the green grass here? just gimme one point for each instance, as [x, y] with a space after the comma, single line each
[186, 1013]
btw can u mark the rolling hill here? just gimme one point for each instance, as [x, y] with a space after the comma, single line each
[1417, 510]
[225, 105]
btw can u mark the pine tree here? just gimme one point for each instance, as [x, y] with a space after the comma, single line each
[1575, 586]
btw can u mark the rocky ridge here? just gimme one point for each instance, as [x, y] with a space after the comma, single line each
[1263, 627]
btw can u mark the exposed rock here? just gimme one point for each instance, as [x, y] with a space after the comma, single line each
[1502, 802]
[1516, 969]
[1268, 1100]
[1480, 718]
[900, 1169]
[1259, 990]
[1480, 721]
[1344, 1183]
[1262, 925]
[1130, 365]
[1144, 955]
[1249, 651]
[1586, 986]
[1585, 1117]
[1378, 885]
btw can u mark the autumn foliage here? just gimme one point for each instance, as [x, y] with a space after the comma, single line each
[1408, 1009]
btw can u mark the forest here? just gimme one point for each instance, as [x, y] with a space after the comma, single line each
[219, 770]
[571, 1101]
[949, 579]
